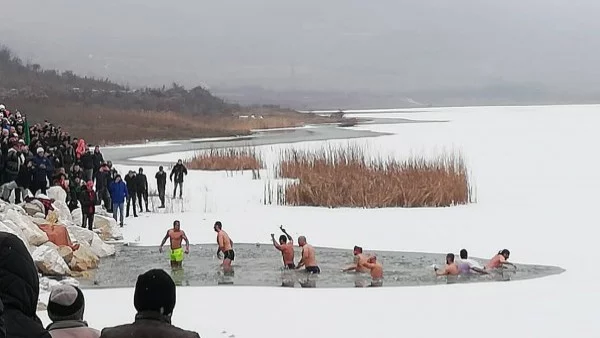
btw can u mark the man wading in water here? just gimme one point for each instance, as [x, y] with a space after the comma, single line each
[225, 246]
[286, 248]
[176, 236]
[308, 260]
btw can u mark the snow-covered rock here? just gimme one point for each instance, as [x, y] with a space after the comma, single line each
[80, 235]
[10, 227]
[101, 249]
[108, 227]
[77, 216]
[49, 262]
[39, 215]
[84, 258]
[33, 234]
[66, 253]
[62, 211]
[57, 194]
[34, 207]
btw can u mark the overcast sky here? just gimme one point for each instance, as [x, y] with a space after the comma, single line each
[325, 44]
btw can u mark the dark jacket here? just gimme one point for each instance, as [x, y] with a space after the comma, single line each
[98, 159]
[118, 192]
[74, 191]
[13, 165]
[141, 183]
[2, 328]
[87, 161]
[148, 325]
[68, 156]
[24, 177]
[87, 199]
[42, 169]
[19, 289]
[161, 179]
[179, 170]
[102, 180]
[131, 184]
[78, 173]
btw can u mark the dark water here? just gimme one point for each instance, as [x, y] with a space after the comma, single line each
[261, 265]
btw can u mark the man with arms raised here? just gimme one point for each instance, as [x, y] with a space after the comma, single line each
[308, 260]
[225, 246]
[176, 235]
[286, 248]
[359, 261]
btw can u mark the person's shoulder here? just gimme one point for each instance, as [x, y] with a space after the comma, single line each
[114, 331]
[184, 333]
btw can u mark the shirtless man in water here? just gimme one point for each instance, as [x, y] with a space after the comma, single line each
[450, 269]
[286, 248]
[376, 271]
[308, 257]
[176, 236]
[359, 261]
[225, 246]
[499, 260]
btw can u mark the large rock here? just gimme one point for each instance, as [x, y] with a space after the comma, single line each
[57, 194]
[101, 249]
[49, 262]
[84, 258]
[77, 216]
[108, 228]
[66, 253]
[80, 235]
[62, 211]
[32, 232]
[34, 207]
[10, 227]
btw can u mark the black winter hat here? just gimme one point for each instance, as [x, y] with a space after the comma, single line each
[66, 303]
[155, 291]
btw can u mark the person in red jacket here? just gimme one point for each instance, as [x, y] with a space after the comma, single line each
[88, 205]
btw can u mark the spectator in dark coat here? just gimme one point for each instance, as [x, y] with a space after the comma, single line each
[68, 155]
[88, 205]
[24, 178]
[19, 289]
[102, 183]
[98, 160]
[142, 189]
[179, 170]
[75, 189]
[154, 299]
[118, 193]
[14, 162]
[77, 172]
[87, 162]
[42, 172]
[161, 183]
[131, 181]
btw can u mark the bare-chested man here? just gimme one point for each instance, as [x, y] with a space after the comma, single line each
[225, 246]
[376, 271]
[308, 260]
[176, 235]
[359, 261]
[451, 269]
[286, 248]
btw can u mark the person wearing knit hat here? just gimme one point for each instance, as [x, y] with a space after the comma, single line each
[154, 300]
[65, 309]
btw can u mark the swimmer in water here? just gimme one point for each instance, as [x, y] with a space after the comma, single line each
[286, 248]
[308, 260]
[499, 260]
[466, 265]
[225, 246]
[376, 270]
[359, 261]
[451, 269]
[176, 236]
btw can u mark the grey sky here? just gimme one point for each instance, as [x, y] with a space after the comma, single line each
[327, 44]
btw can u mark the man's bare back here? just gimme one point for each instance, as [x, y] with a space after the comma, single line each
[308, 256]
[224, 241]
[361, 260]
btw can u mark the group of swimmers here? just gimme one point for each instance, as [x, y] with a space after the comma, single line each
[363, 263]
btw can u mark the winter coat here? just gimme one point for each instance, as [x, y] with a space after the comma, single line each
[41, 173]
[87, 161]
[131, 184]
[78, 173]
[74, 190]
[179, 170]
[161, 179]
[141, 183]
[72, 329]
[80, 149]
[19, 289]
[102, 180]
[68, 156]
[148, 325]
[14, 161]
[118, 192]
[98, 159]
[87, 198]
[24, 177]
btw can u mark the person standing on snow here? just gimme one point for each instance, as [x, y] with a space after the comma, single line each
[142, 189]
[118, 193]
[161, 183]
[88, 205]
[179, 170]
[87, 162]
[130, 179]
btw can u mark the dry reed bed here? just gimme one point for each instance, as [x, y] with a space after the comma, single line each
[226, 159]
[347, 177]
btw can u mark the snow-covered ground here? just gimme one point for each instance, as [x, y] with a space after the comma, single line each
[536, 175]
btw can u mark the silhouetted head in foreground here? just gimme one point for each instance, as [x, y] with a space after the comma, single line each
[155, 292]
[464, 254]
